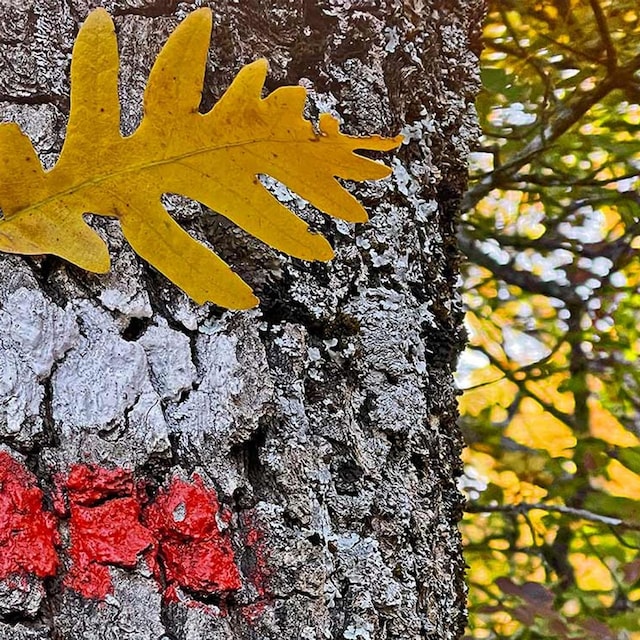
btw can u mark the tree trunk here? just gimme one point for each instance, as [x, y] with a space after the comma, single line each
[306, 451]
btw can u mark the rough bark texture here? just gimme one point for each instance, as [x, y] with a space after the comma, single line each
[325, 419]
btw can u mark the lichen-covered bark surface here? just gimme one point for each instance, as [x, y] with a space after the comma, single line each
[316, 433]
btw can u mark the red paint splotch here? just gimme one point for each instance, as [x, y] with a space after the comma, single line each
[193, 552]
[28, 533]
[112, 522]
[104, 525]
[255, 566]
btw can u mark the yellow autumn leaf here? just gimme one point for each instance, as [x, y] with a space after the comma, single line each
[620, 481]
[498, 395]
[536, 428]
[214, 158]
[548, 390]
[605, 426]
[602, 423]
[591, 573]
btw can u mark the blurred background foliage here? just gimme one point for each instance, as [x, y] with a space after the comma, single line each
[551, 403]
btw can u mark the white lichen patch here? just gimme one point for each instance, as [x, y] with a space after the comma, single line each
[36, 333]
[383, 312]
[169, 356]
[102, 377]
[21, 594]
[103, 401]
[399, 408]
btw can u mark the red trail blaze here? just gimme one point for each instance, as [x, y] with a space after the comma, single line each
[194, 553]
[104, 526]
[28, 534]
[112, 523]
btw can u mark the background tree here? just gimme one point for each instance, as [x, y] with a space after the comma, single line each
[323, 421]
[551, 411]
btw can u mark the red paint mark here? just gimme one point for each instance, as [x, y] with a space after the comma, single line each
[255, 561]
[193, 552]
[254, 611]
[28, 534]
[111, 524]
[255, 543]
[89, 484]
[104, 526]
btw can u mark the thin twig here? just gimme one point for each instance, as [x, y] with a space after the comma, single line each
[605, 36]
[525, 507]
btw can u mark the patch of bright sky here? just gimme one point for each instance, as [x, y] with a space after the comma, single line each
[565, 74]
[513, 115]
[522, 348]
[631, 112]
[494, 250]
[618, 279]
[470, 360]
[480, 161]
[627, 184]
[472, 482]
[599, 266]
[528, 223]
[591, 228]
[547, 266]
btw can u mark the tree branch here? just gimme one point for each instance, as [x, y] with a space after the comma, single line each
[524, 507]
[605, 36]
[510, 375]
[564, 118]
[509, 274]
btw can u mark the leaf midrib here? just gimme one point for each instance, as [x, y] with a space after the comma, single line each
[139, 167]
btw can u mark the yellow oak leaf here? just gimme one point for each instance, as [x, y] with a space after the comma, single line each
[214, 158]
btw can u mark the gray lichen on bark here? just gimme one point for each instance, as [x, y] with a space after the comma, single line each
[325, 418]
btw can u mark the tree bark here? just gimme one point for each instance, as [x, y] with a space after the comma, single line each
[323, 422]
